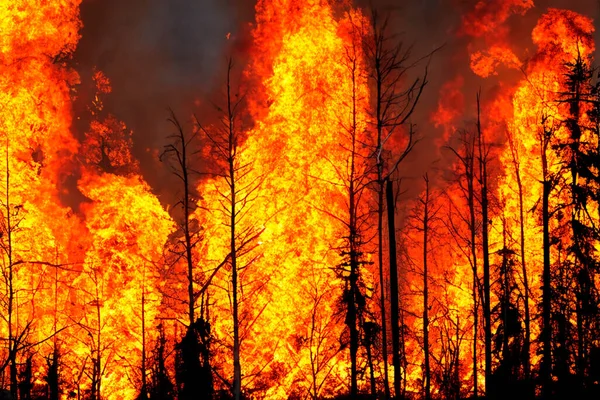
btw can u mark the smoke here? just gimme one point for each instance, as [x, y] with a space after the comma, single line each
[158, 54]
[170, 53]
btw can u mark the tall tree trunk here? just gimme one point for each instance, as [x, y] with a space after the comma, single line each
[232, 145]
[527, 344]
[352, 311]
[546, 333]
[487, 316]
[12, 341]
[144, 390]
[371, 369]
[426, 293]
[380, 194]
[384, 340]
[527, 340]
[98, 361]
[394, 298]
[186, 229]
[470, 171]
[457, 362]
[579, 266]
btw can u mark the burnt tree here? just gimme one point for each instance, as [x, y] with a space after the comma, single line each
[394, 102]
[578, 153]
[354, 178]
[466, 179]
[240, 189]
[194, 370]
[483, 159]
[516, 159]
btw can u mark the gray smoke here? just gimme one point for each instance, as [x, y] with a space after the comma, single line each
[169, 53]
[157, 54]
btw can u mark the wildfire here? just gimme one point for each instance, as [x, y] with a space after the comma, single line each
[300, 139]
[93, 286]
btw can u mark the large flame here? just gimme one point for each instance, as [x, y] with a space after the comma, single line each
[86, 281]
[299, 150]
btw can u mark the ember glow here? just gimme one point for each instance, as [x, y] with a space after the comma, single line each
[262, 269]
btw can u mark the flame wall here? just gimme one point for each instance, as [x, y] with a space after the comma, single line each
[85, 278]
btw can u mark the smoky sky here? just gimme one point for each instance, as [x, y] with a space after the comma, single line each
[163, 54]
[158, 54]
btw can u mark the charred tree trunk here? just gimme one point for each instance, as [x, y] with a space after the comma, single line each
[194, 376]
[355, 177]
[232, 151]
[369, 333]
[394, 297]
[486, 256]
[161, 386]
[52, 375]
[237, 193]
[26, 383]
[352, 316]
[97, 359]
[379, 75]
[527, 344]
[470, 172]
[457, 364]
[144, 388]
[393, 106]
[382, 307]
[467, 157]
[179, 152]
[186, 228]
[546, 334]
[426, 292]
[10, 283]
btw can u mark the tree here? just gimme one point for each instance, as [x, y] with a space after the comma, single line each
[428, 215]
[194, 371]
[396, 333]
[483, 154]
[178, 155]
[517, 166]
[18, 293]
[52, 377]
[161, 387]
[393, 104]
[578, 152]
[508, 337]
[466, 178]
[238, 192]
[322, 344]
[549, 180]
[355, 178]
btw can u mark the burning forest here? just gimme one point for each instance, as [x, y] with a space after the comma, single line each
[344, 200]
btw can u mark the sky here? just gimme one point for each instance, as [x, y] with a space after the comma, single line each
[162, 54]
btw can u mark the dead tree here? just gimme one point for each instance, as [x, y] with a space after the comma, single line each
[394, 103]
[426, 225]
[323, 346]
[92, 326]
[143, 367]
[466, 178]
[394, 287]
[18, 340]
[355, 177]
[11, 220]
[548, 184]
[240, 190]
[483, 159]
[194, 371]
[161, 387]
[527, 344]
[178, 154]
[426, 219]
